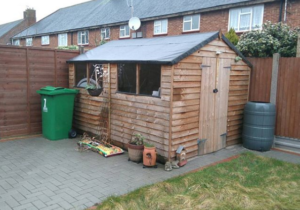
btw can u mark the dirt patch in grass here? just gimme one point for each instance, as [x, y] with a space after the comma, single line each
[247, 182]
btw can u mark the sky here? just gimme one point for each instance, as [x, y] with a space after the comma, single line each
[12, 10]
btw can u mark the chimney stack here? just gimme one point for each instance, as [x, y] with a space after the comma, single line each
[29, 16]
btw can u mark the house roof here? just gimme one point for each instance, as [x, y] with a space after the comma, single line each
[167, 50]
[106, 12]
[4, 28]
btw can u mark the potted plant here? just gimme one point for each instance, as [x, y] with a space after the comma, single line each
[135, 148]
[149, 155]
[96, 89]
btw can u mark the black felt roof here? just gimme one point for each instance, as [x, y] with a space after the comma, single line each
[104, 12]
[167, 50]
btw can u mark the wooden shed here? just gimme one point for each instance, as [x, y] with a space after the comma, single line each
[187, 90]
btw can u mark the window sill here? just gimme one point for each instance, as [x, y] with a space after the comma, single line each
[83, 44]
[134, 94]
[164, 34]
[125, 37]
[191, 31]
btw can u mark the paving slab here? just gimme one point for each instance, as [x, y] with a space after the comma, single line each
[40, 174]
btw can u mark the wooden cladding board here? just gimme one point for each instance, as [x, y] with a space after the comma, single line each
[238, 97]
[23, 71]
[185, 113]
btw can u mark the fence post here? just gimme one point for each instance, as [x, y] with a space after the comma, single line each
[298, 46]
[274, 81]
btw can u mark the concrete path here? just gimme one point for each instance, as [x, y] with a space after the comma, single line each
[42, 174]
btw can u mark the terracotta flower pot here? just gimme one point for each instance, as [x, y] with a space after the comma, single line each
[149, 156]
[135, 152]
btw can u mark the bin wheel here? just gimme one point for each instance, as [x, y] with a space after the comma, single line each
[72, 134]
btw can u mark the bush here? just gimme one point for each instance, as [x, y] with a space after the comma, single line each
[273, 38]
[232, 37]
[70, 47]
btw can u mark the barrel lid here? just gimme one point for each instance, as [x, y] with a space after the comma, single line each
[50, 90]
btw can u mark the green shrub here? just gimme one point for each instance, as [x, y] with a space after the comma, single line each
[70, 47]
[232, 37]
[273, 38]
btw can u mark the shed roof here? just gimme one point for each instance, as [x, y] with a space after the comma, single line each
[104, 12]
[4, 28]
[167, 50]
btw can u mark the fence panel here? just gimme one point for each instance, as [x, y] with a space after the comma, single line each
[261, 75]
[288, 98]
[22, 72]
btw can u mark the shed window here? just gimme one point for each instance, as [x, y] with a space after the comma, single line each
[62, 40]
[45, 40]
[105, 33]
[147, 83]
[127, 78]
[191, 23]
[29, 42]
[85, 74]
[149, 79]
[246, 18]
[124, 31]
[161, 26]
[82, 37]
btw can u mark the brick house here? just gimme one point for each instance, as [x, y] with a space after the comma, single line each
[8, 30]
[91, 22]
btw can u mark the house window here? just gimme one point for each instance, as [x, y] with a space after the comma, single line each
[29, 42]
[246, 18]
[149, 79]
[127, 78]
[45, 40]
[161, 26]
[16, 42]
[191, 23]
[105, 33]
[62, 40]
[83, 37]
[124, 31]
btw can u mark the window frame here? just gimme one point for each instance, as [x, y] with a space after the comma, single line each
[191, 23]
[43, 41]
[137, 73]
[251, 18]
[80, 35]
[28, 41]
[124, 29]
[105, 32]
[59, 41]
[16, 40]
[160, 24]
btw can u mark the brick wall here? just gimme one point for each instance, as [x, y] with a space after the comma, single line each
[209, 21]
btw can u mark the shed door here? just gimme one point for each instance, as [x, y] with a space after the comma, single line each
[214, 103]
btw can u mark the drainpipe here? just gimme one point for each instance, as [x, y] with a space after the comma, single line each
[280, 11]
[285, 6]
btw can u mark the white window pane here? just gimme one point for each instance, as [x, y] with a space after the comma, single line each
[245, 22]
[195, 22]
[164, 26]
[107, 33]
[157, 30]
[187, 26]
[246, 10]
[127, 30]
[257, 16]
[187, 18]
[234, 19]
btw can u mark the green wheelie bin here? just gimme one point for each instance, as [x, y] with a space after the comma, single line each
[57, 111]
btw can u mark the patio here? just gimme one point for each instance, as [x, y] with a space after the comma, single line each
[41, 174]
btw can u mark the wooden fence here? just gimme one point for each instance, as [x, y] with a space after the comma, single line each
[288, 92]
[22, 72]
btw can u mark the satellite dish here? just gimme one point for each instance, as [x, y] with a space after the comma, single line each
[134, 23]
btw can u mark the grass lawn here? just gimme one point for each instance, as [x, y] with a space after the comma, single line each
[248, 182]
